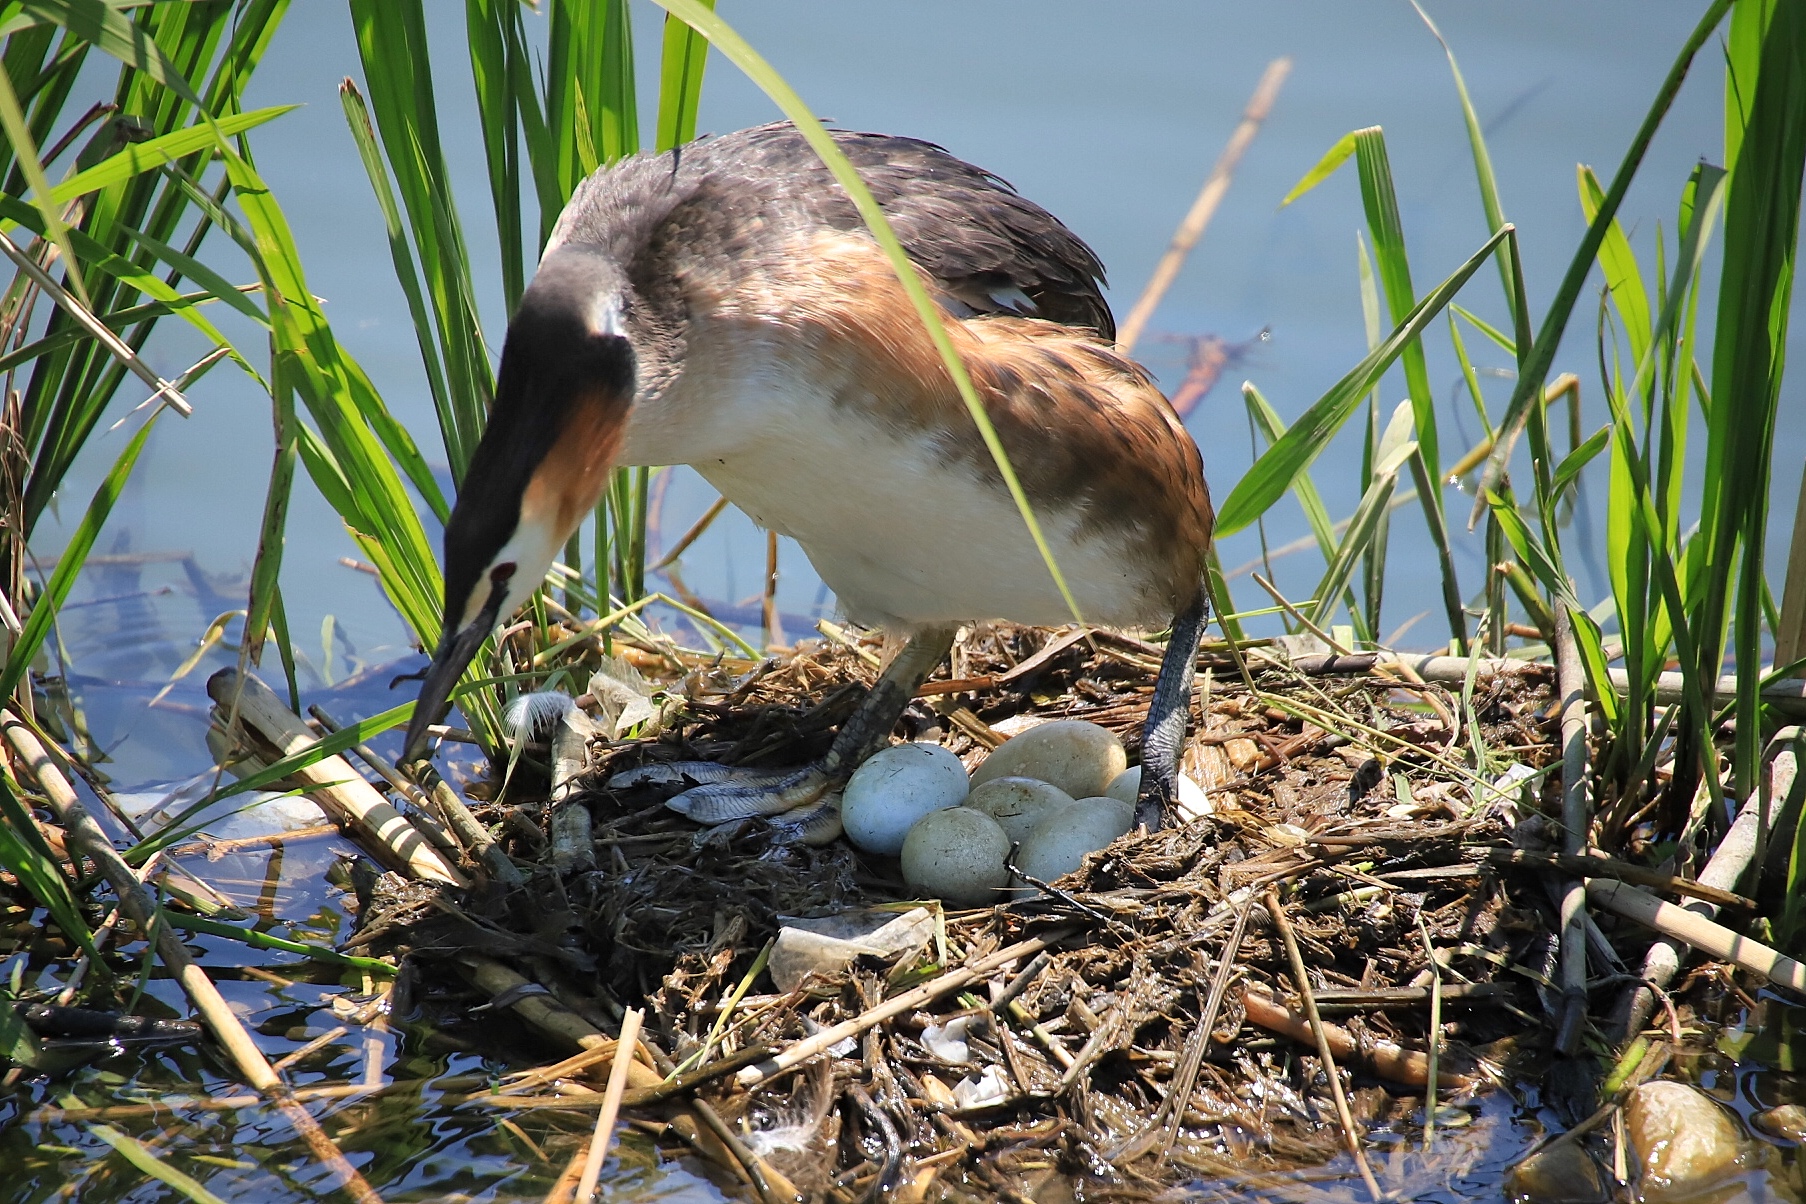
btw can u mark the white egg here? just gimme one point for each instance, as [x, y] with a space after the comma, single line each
[1078, 757]
[1059, 844]
[896, 787]
[1193, 802]
[957, 854]
[1017, 804]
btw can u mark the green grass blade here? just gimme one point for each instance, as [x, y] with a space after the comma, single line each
[1271, 475]
[152, 1164]
[1761, 237]
[684, 55]
[140, 157]
[1490, 204]
[1325, 167]
[1380, 200]
[25, 854]
[1394, 449]
[1623, 278]
[1541, 354]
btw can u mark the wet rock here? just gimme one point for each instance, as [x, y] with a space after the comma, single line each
[1684, 1142]
[1787, 1122]
[829, 945]
[1564, 1173]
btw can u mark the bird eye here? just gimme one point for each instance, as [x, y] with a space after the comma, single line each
[501, 573]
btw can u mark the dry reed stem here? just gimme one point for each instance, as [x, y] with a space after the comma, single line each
[87, 836]
[1701, 933]
[1349, 1133]
[1575, 822]
[611, 1104]
[1725, 869]
[1593, 866]
[339, 790]
[421, 816]
[1205, 206]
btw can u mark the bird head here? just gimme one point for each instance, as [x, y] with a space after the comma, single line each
[562, 397]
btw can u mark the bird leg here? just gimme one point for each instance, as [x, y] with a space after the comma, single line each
[724, 794]
[1163, 739]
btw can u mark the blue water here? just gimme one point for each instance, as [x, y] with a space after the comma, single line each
[1109, 115]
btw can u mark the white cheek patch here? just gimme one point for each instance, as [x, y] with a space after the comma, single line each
[605, 317]
[531, 551]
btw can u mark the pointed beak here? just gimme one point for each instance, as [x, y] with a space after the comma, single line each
[454, 653]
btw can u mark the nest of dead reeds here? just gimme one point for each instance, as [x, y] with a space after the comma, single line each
[1141, 1023]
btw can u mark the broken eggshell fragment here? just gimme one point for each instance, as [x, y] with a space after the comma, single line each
[1193, 803]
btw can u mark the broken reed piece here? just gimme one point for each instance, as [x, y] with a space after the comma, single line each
[1576, 819]
[611, 1104]
[1726, 868]
[465, 826]
[573, 842]
[335, 787]
[1383, 1059]
[422, 816]
[540, 1010]
[87, 838]
[1703, 934]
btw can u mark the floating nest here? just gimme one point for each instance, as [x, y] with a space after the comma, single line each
[1141, 1023]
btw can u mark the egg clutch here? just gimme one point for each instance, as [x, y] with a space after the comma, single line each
[1053, 793]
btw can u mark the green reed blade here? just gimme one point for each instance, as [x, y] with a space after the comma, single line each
[69, 564]
[1541, 354]
[1490, 204]
[1279, 466]
[684, 55]
[27, 856]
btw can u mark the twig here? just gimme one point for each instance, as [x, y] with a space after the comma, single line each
[689, 1081]
[421, 816]
[136, 902]
[1384, 1059]
[774, 629]
[458, 818]
[809, 1047]
[691, 536]
[1302, 619]
[1571, 682]
[1205, 207]
[1349, 1133]
[611, 1105]
[772, 1186]
[1701, 933]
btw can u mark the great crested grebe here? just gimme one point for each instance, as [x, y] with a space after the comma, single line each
[723, 306]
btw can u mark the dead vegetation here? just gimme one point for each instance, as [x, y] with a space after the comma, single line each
[1142, 1022]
